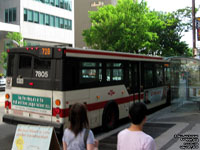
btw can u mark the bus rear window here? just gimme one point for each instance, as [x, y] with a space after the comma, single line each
[25, 62]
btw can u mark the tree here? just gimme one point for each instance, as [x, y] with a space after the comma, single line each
[131, 27]
[17, 37]
[124, 27]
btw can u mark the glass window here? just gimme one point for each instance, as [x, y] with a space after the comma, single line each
[52, 2]
[66, 24]
[52, 21]
[70, 24]
[47, 19]
[159, 74]
[10, 15]
[90, 72]
[148, 75]
[36, 17]
[6, 15]
[47, 1]
[25, 62]
[25, 14]
[14, 14]
[61, 3]
[41, 18]
[61, 23]
[57, 22]
[114, 72]
[57, 3]
[30, 15]
[117, 74]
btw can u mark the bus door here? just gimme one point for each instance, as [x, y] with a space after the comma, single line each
[133, 79]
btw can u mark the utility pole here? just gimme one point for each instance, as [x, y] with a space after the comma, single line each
[193, 28]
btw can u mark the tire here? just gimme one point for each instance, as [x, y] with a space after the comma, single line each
[110, 116]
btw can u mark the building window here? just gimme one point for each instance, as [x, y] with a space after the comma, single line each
[25, 14]
[14, 14]
[30, 15]
[61, 23]
[45, 19]
[52, 2]
[10, 15]
[52, 21]
[64, 4]
[57, 22]
[57, 3]
[41, 18]
[36, 17]
[6, 15]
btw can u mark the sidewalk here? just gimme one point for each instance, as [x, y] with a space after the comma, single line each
[185, 134]
[167, 127]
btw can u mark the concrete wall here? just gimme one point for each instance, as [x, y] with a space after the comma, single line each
[82, 20]
[5, 4]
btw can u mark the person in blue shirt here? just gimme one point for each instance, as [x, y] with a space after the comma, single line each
[74, 136]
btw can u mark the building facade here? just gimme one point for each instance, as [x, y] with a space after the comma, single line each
[41, 22]
[82, 20]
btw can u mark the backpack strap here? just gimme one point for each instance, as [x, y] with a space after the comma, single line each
[86, 136]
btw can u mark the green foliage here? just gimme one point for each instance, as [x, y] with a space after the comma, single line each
[123, 27]
[131, 27]
[11, 36]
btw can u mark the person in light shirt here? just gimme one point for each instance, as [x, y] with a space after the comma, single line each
[133, 138]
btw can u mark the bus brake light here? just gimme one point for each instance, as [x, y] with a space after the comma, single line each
[27, 48]
[31, 83]
[8, 104]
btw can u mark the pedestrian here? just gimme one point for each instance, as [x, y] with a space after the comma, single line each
[133, 138]
[78, 136]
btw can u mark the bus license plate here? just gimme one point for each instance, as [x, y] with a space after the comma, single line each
[20, 81]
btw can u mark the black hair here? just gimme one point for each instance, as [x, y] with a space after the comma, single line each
[78, 118]
[137, 112]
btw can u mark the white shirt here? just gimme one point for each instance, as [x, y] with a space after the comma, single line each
[135, 140]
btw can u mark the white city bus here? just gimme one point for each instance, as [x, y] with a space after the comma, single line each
[43, 82]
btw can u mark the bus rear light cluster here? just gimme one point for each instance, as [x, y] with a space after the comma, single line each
[7, 96]
[32, 48]
[7, 105]
[57, 102]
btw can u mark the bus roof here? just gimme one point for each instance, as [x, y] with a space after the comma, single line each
[56, 52]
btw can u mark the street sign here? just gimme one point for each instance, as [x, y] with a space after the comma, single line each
[33, 137]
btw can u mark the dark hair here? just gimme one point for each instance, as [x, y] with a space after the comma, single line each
[78, 118]
[137, 112]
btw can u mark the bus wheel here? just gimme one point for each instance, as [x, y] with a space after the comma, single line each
[110, 116]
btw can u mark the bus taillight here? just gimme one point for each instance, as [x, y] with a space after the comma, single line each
[7, 96]
[57, 102]
[7, 105]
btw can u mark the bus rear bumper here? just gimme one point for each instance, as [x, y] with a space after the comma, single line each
[10, 119]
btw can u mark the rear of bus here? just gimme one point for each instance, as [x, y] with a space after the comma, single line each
[32, 93]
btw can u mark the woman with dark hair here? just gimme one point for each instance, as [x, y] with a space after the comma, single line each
[78, 136]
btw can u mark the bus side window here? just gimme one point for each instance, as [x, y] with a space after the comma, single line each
[148, 75]
[159, 74]
[114, 72]
[10, 65]
[90, 72]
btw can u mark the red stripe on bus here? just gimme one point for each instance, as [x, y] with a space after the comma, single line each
[95, 106]
[111, 54]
